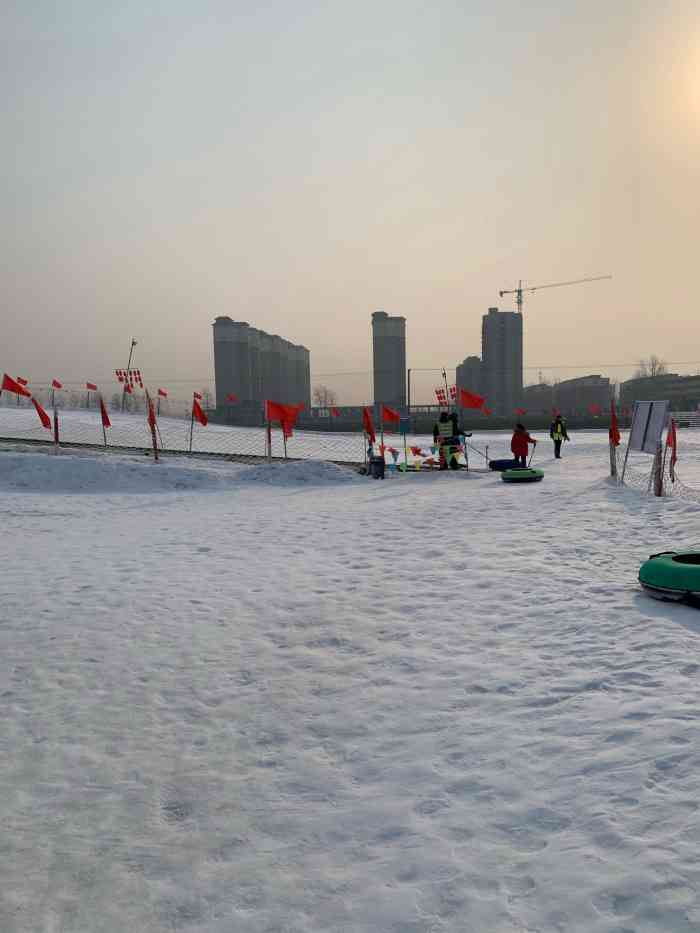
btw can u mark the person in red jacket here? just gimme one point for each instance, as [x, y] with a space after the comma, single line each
[518, 445]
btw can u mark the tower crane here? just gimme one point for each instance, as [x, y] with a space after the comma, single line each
[518, 292]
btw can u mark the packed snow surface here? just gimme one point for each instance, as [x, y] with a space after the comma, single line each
[261, 699]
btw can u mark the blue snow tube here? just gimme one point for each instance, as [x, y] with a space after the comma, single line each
[501, 465]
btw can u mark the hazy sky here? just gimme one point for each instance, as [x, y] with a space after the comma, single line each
[301, 164]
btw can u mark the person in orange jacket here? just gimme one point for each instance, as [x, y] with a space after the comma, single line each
[518, 445]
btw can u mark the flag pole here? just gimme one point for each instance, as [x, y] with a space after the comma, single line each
[126, 378]
[55, 429]
[104, 431]
[192, 424]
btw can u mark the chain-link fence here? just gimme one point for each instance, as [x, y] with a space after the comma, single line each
[658, 475]
[130, 431]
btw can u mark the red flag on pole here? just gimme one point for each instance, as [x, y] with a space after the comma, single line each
[43, 417]
[368, 424]
[163, 393]
[672, 442]
[11, 385]
[91, 387]
[22, 382]
[106, 423]
[198, 396]
[286, 415]
[390, 414]
[335, 412]
[470, 399]
[56, 384]
[151, 412]
[614, 432]
[198, 413]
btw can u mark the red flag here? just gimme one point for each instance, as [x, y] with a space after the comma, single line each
[198, 396]
[106, 423]
[151, 412]
[470, 399]
[128, 389]
[594, 409]
[368, 424]
[286, 415]
[614, 432]
[198, 414]
[91, 387]
[487, 411]
[232, 397]
[22, 382]
[417, 452]
[10, 385]
[335, 412]
[441, 396]
[43, 417]
[672, 442]
[390, 414]
[521, 411]
[163, 393]
[56, 384]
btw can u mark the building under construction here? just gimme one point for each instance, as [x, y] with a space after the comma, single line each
[253, 366]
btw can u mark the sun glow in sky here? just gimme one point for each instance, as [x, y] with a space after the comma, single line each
[302, 165]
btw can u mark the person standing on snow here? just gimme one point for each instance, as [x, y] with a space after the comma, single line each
[557, 431]
[518, 445]
[447, 434]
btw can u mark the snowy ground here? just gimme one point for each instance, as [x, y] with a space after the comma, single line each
[262, 699]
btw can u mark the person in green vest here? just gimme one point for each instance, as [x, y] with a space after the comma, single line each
[557, 431]
[448, 435]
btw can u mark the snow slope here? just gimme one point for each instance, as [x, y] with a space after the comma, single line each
[318, 702]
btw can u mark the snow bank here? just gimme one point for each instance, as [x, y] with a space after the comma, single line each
[70, 472]
[304, 472]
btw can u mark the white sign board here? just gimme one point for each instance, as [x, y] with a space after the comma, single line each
[648, 423]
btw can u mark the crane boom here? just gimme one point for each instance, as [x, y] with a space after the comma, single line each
[518, 292]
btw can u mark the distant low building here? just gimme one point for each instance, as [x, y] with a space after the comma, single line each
[683, 392]
[578, 396]
[538, 399]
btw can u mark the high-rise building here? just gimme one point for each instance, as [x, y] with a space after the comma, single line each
[502, 360]
[389, 359]
[255, 366]
[469, 374]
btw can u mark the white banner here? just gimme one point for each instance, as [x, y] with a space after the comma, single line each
[648, 423]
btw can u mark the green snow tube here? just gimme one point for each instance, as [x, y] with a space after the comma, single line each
[522, 475]
[672, 575]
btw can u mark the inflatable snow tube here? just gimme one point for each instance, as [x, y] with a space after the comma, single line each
[522, 475]
[501, 465]
[673, 575]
